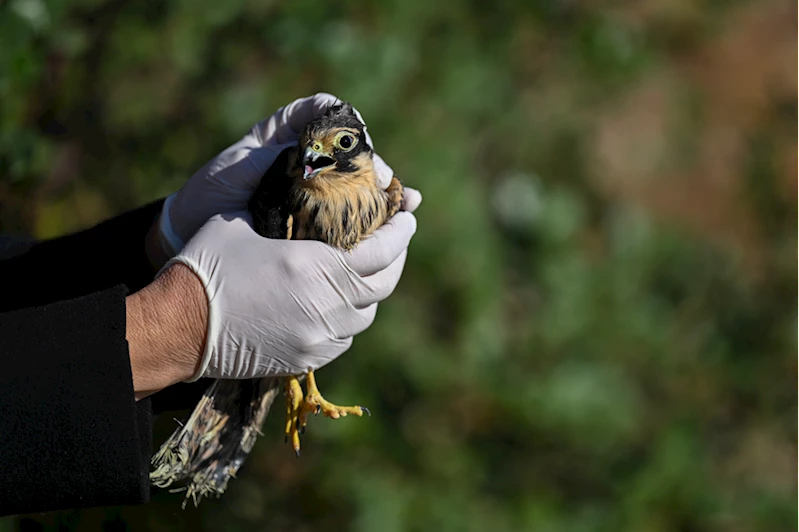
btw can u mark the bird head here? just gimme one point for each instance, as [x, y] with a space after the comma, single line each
[334, 146]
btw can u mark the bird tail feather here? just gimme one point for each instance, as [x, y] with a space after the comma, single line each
[208, 449]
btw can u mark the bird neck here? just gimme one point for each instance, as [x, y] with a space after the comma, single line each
[340, 213]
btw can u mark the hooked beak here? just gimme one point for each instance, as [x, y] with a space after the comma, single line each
[314, 162]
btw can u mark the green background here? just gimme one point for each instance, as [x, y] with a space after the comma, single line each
[596, 327]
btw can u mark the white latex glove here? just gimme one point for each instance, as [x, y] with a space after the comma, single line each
[226, 183]
[278, 307]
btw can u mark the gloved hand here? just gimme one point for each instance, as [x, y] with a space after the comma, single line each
[279, 307]
[226, 183]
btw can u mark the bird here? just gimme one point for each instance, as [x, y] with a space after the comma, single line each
[323, 188]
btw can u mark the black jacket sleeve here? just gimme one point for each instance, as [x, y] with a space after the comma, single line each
[71, 433]
[107, 255]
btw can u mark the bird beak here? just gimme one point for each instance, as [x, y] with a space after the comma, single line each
[315, 161]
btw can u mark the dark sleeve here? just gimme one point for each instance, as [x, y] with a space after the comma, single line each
[179, 397]
[111, 253]
[71, 433]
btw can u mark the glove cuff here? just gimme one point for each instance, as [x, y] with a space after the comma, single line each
[212, 326]
[170, 241]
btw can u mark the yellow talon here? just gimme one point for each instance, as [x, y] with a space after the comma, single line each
[287, 393]
[293, 404]
[298, 408]
[314, 402]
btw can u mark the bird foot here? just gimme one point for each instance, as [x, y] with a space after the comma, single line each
[315, 403]
[299, 407]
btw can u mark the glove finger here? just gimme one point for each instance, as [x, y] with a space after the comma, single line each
[368, 137]
[300, 112]
[411, 199]
[377, 251]
[262, 158]
[325, 353]
[229, 191]
[363, 320]
[285, 125]
[224, 184]
[383, 171]
[375, 288]
[238, 218]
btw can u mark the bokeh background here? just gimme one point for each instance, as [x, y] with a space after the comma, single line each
[596, 329]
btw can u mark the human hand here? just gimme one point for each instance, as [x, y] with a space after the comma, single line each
[279, 307]
[227, 182]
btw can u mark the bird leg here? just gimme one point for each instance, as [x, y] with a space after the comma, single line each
[298, 408]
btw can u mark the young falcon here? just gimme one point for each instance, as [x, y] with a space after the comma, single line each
[325, 188]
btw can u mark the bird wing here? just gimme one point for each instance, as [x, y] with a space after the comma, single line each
[269, 204]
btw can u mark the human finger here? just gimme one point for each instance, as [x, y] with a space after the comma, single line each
[383, 171]
[362, 321]
[377, 287]
[381, 248]
[411, 199]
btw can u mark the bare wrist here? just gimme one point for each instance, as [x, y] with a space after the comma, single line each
[166, 328]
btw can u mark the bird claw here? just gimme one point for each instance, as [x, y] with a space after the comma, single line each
[299, 407]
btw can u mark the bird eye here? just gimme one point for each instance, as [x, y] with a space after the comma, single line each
[345, 141]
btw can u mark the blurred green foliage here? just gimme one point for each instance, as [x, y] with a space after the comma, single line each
[596, 330]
